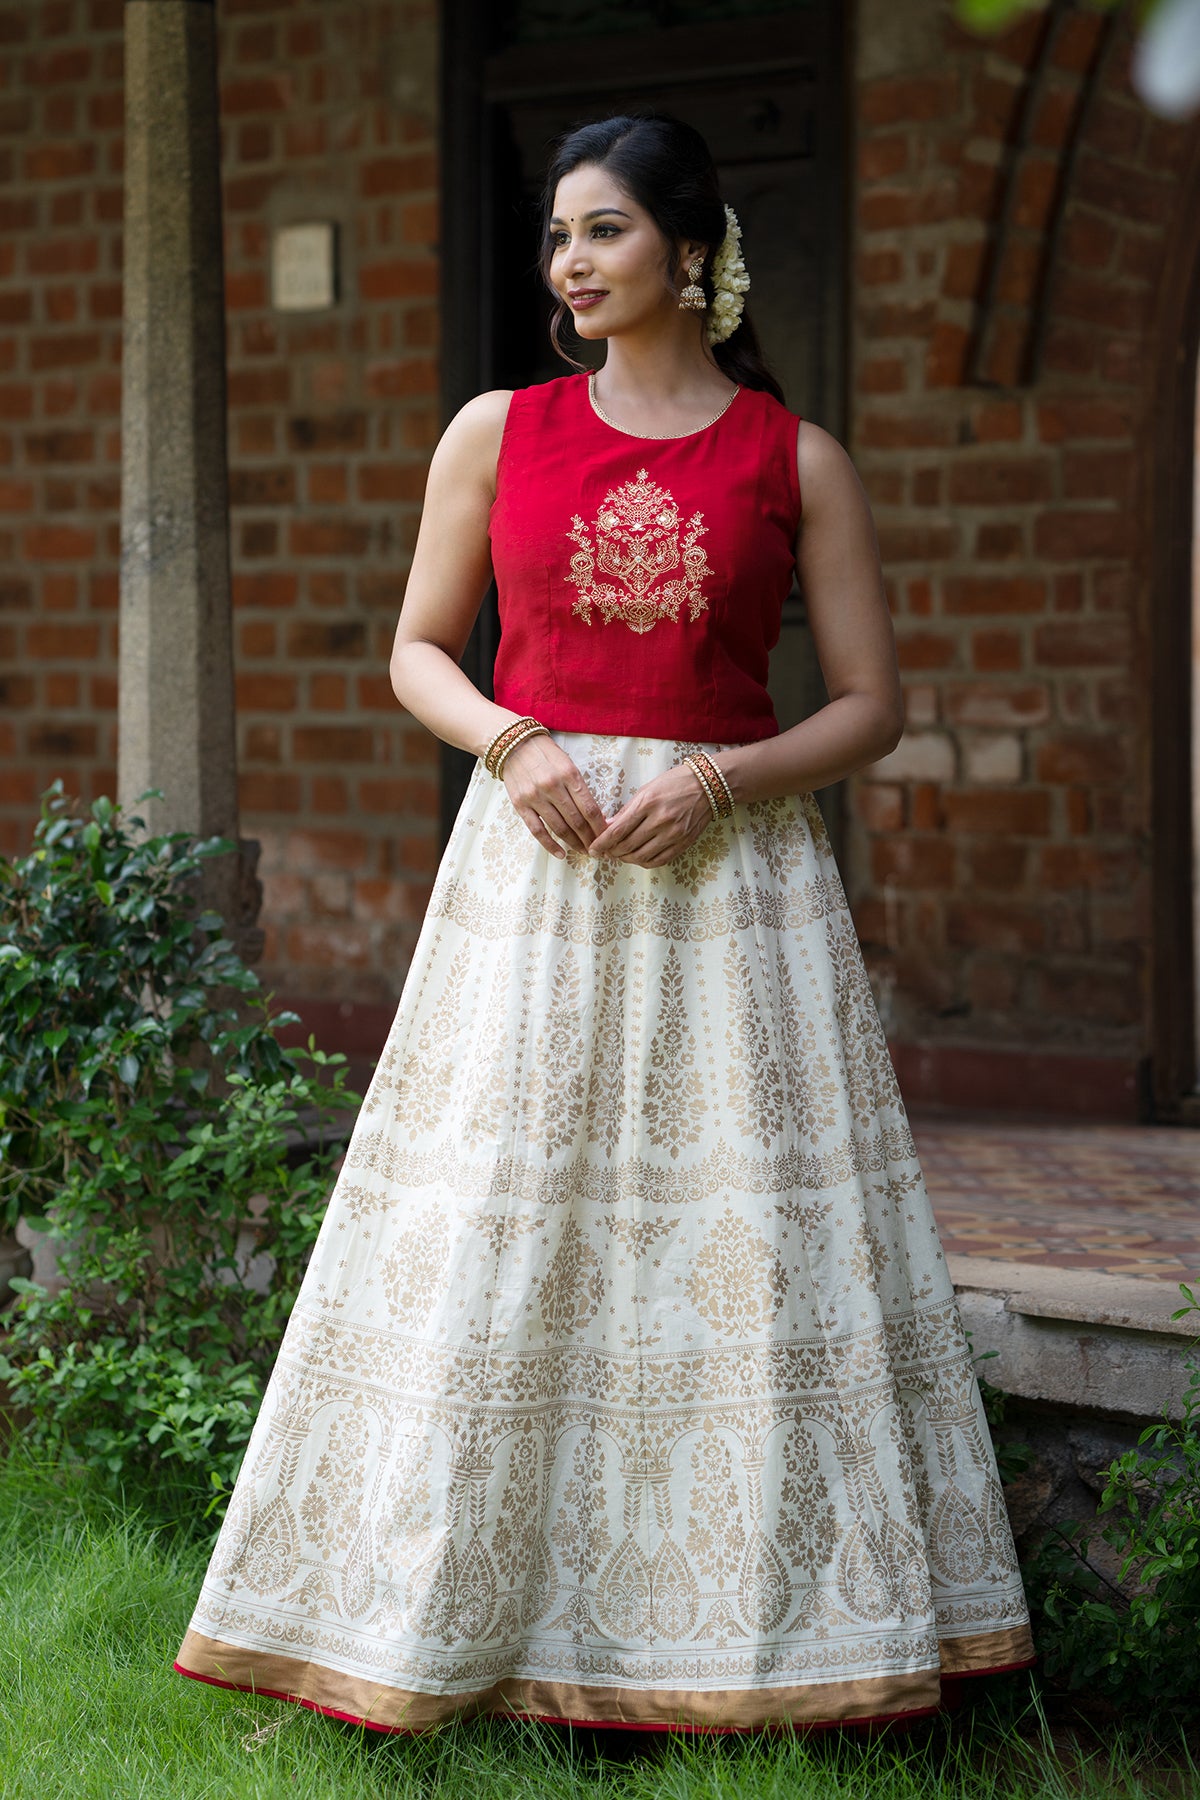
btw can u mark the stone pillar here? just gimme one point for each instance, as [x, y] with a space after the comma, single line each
[176, 717]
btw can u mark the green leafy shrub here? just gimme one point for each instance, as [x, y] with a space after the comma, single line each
[1137, 1640]
[152, 1124]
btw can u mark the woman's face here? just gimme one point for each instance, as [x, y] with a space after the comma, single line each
[607, 256]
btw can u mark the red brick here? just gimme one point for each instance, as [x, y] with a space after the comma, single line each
[61, 688]
[60, 161]
[973, 925]
[1099, 302]
[259, 387]
[1099, 474]
[999, 866]
[1106, 185]
[946, 357]
[327, 692]
[391, 481]
[245, 289]
[315, 638]
[1001, 480]
[913, 862]
[375, 694]
[16, 594]
[16, 496]
[995, 652]
[313, 850]
[326, 587]
[909, 99]
[999, 541]
[263, 691]
[330, 794]
[334, 431]
[1053, 118]
[397, 380]
[1082, 756]
[397, 174]
[915, 542]
[327, 484]
[1096, 992]
[63, 256]
[257, 94]
[1077, 536]
[926, 649]
[1088, 866]
[17, 692]
[880, 805]
[392, 798]
[257, 639]
[398, 280]
[16, 306]
[276, 588]
[881, 157]
[342, 945]
[993, 594]
[904, 431]
[333, 743]
[64, 350]
[262, 790]
[261, 743]
[1024, 811]
[60, 593]
[22, 786]
[328, 537]
[73, 643]
[1070, 348]
[62, 738]
[963, 271]
[1036, 182]
[262, 487]
[984, 703]
[996, 421]
[1069, 418]
[58, 543]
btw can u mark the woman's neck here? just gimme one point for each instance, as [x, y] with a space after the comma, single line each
[664, 383]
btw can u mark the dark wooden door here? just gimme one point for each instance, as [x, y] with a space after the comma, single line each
[767, 91]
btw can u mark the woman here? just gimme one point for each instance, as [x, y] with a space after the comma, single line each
[626, 1385]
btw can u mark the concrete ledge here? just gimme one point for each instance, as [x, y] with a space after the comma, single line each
[1075, 1339]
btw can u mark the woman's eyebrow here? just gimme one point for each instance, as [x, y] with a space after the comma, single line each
[597, 212]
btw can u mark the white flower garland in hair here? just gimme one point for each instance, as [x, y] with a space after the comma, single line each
[730, 281]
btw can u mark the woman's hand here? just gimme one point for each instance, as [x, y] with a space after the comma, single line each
[659, 822]
[551, 796]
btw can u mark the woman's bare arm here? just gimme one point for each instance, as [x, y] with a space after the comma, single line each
[450, 573]
[837, 559]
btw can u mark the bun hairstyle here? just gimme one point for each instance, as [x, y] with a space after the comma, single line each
[667, 168]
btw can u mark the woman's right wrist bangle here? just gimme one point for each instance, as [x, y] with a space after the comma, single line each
[715, 790]
[506, 741]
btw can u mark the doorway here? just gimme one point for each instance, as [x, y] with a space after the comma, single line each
[766, 86]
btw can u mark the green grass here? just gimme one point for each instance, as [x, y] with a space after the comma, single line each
[92, 1607]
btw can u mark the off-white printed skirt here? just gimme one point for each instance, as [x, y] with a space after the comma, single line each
[626, 1383]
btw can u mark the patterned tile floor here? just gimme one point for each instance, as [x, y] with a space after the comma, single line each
[1120, 1198]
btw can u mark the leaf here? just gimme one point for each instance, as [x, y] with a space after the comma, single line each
[128, 1069]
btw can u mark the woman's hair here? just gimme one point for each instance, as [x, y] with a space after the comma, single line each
[667, 167]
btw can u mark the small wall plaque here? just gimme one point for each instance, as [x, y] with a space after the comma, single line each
[304, 267]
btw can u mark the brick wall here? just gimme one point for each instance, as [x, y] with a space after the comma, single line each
[326, 113]
[998, 860]
[999, 856]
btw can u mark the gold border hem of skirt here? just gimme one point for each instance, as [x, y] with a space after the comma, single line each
[386, 1708]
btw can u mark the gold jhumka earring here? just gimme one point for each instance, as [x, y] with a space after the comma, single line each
[691, 298]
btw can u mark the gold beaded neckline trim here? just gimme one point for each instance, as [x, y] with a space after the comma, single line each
[662, 436]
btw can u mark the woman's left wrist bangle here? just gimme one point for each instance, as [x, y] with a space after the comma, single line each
[506, 741]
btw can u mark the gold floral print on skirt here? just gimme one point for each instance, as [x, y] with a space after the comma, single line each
[626, 1382]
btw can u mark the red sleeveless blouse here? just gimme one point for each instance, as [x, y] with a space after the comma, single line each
[641, 581]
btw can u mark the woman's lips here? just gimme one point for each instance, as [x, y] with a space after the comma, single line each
[581, 302]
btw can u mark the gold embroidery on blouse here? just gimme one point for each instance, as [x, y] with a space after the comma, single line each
[639, 539]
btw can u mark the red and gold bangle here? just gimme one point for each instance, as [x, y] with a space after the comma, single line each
[716, 788]
[507, 740]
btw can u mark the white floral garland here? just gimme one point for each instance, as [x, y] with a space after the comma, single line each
[730, 281]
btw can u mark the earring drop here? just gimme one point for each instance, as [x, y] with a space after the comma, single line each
[692, 298]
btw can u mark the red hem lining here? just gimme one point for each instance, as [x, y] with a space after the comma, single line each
[870, 1719]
